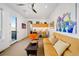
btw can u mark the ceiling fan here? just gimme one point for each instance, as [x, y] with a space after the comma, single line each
[33, 8]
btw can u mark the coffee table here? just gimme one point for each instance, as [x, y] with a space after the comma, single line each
[32, 49]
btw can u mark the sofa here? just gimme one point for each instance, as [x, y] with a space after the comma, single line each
[72, 50]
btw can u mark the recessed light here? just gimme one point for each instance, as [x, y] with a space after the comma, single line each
[46, 6]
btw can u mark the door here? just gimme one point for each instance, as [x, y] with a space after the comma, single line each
[14, 28]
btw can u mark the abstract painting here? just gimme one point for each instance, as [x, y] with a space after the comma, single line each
[66, 24]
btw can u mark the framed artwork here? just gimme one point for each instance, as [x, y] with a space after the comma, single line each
[52, 24]
[66, 24]
[37, 22]
[45, 22]
[23, 26]
[30, 22]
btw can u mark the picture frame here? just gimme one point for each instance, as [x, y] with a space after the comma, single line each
[37, 22]
[66, 24]
[52, 24]
[30, 22]
[23, 26]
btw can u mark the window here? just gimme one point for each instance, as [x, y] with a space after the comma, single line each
[14, 28]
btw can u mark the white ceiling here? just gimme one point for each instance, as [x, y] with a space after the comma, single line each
[44, 10]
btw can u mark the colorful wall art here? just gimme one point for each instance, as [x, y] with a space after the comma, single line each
[66, 24]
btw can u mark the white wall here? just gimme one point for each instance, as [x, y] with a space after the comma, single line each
[5, 41]
[22, 33]
[59, 11]
[78, 19]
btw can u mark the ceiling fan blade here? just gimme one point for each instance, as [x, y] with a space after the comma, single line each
[32, 5]
[34, 10]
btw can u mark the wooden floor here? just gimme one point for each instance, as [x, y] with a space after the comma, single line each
[18, 49]
[40, 48]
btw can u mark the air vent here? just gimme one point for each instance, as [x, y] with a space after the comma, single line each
[21, 4]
